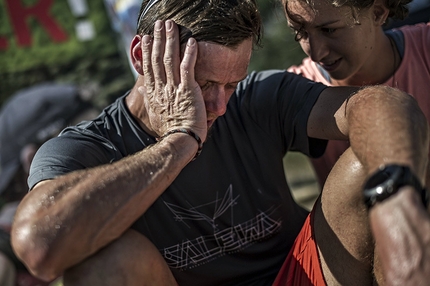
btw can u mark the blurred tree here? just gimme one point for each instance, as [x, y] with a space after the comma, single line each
[60, 40]
[279, 49]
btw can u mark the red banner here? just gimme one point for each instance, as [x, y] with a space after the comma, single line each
[19, 15]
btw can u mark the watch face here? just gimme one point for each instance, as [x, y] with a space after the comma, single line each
[383, 184]
[379, 177]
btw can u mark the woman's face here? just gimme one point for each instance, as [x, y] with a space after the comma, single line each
[332, 37]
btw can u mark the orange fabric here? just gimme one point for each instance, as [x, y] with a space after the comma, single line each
[302, 266]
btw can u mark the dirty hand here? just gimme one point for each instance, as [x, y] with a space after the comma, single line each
[173, 99]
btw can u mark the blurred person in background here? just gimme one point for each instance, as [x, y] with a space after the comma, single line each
[123, 17]
[27, 119]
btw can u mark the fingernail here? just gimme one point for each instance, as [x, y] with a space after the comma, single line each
[191, 42]
[146, 39]
[169, 25]
[158, 25]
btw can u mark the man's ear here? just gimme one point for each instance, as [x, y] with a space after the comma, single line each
[380, 12]
[136, 54]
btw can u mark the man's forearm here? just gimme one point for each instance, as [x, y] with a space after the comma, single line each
[85, 210]
[401, 229]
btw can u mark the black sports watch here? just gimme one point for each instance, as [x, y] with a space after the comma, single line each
[387, 181]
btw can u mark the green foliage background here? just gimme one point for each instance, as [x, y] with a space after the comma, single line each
[103, 60]
[99, 60]
[279, 49]
[44, 50]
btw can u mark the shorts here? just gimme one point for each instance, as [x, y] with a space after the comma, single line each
[302, 266]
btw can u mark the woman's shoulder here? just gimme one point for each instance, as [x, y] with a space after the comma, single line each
[421, 30]
[417, 39]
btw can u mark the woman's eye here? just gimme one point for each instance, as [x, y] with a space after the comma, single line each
[329, 30]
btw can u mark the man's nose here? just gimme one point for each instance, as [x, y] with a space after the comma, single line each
[216, 101]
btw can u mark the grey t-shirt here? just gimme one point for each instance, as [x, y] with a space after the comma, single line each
[229, 217]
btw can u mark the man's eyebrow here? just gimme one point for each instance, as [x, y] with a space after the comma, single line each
[232, 82]
[240, 79]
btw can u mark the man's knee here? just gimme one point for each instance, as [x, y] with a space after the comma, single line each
[130, 260]
[341, 225]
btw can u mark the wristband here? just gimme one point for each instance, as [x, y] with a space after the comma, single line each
[387, 181]
[189, 132]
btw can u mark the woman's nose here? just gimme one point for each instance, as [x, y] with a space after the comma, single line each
[315, 47]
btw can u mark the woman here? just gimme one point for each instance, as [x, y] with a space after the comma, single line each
[347, 45]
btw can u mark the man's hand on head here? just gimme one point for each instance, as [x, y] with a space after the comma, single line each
[173, 99]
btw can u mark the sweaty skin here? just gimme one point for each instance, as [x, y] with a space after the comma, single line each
[75, 216]
[190, 103]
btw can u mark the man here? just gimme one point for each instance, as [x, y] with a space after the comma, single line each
[108, 196]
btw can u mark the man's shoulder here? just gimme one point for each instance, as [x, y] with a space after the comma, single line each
[264, 76]
[112, 118]
[272, 80]
[310, 70]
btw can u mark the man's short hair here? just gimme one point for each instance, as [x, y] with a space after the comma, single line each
[224, 22]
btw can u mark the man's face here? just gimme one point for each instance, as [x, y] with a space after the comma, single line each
[218, 71]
